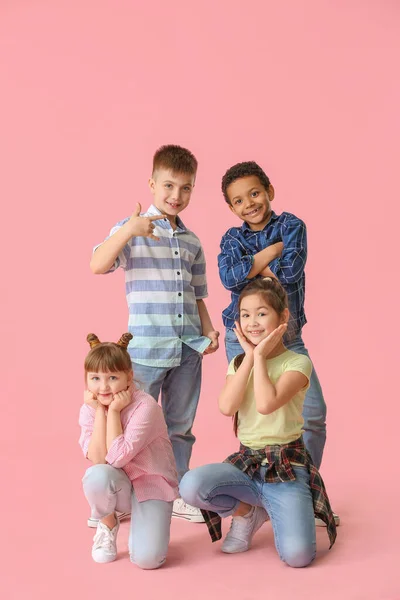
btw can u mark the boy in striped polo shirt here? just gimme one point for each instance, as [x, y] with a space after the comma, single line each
[165, 282]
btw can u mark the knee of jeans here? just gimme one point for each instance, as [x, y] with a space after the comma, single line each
[188, 487]
[298, 554]
[147, 559]
[97, 478]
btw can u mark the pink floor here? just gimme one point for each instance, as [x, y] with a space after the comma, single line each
[46, 547]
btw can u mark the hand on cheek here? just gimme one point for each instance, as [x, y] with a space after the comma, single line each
[247, 346]
[90, 399]
[267, 345]
[121, 400]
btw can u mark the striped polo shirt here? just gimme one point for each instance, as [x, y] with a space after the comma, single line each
[163, 280]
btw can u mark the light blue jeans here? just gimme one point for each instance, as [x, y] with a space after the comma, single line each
[314, 409]
[107, 490]
[180, 392]
[221, 487]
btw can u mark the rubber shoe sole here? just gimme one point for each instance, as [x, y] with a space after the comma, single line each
[186, 517]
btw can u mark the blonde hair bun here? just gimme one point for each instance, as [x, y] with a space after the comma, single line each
[93, 340]
[124, 340]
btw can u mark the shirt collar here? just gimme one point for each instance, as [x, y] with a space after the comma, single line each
[245, 227]
[153, 210]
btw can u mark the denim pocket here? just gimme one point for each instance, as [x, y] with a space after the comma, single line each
[230, 335]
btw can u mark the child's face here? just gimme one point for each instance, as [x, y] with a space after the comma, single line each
[171, 191]
[250, 201]
[258, 319]
[105, 385]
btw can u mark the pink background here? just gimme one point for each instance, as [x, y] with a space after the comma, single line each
[89, 90]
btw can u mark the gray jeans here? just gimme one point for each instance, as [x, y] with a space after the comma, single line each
[107, 490]
[179, 388]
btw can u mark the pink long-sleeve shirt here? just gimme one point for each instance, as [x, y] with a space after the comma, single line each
[143, 450]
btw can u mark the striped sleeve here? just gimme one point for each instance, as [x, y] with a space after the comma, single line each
[199, 279]
[123, 256]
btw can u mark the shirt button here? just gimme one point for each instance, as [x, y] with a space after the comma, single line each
[176, 252]
[179, 293]
[165, 219]
[180, 316]
[178, 272]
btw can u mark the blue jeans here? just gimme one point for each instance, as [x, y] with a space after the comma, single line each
[180, 392]
[314, 409]
[221, 487]
[108, 489]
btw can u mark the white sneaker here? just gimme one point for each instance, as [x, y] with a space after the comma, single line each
[181, 510]
[104, 549]
[92, 522]
[320, 523]
[238, 538]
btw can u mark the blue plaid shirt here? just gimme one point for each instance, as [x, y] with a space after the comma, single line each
[238, 246]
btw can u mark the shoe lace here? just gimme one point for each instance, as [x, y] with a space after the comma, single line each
[239, 527]
[104, 538]
[189, 508]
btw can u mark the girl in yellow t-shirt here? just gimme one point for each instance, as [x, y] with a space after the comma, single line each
[272, 476]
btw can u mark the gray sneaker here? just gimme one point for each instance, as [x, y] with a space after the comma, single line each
[238, 538]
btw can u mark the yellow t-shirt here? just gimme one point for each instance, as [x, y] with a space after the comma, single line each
[285, 424]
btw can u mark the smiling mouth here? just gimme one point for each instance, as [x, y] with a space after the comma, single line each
[173, 204]
[253, 212]
[258, 332]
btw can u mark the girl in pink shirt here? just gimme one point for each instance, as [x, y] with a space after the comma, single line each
[124, 435]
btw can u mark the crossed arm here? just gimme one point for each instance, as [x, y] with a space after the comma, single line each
[283, 260]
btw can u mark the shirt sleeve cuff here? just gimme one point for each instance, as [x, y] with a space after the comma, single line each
[85, 447]
[274, 265]
[114, 266]
[248, 264]
[114, 450]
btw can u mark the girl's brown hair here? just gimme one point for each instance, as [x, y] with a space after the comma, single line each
[275, 296]
[108, 357]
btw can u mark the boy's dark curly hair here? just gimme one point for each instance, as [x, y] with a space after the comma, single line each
[243, 169]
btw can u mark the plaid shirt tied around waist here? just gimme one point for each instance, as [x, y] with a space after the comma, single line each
[279, 468]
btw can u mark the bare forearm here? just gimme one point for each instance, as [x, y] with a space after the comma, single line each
[97, 446]
[205, 319]
[263, 258]
[114, 426]
[268, 273]
[233, 393]
[105, 255]
[264, 390]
